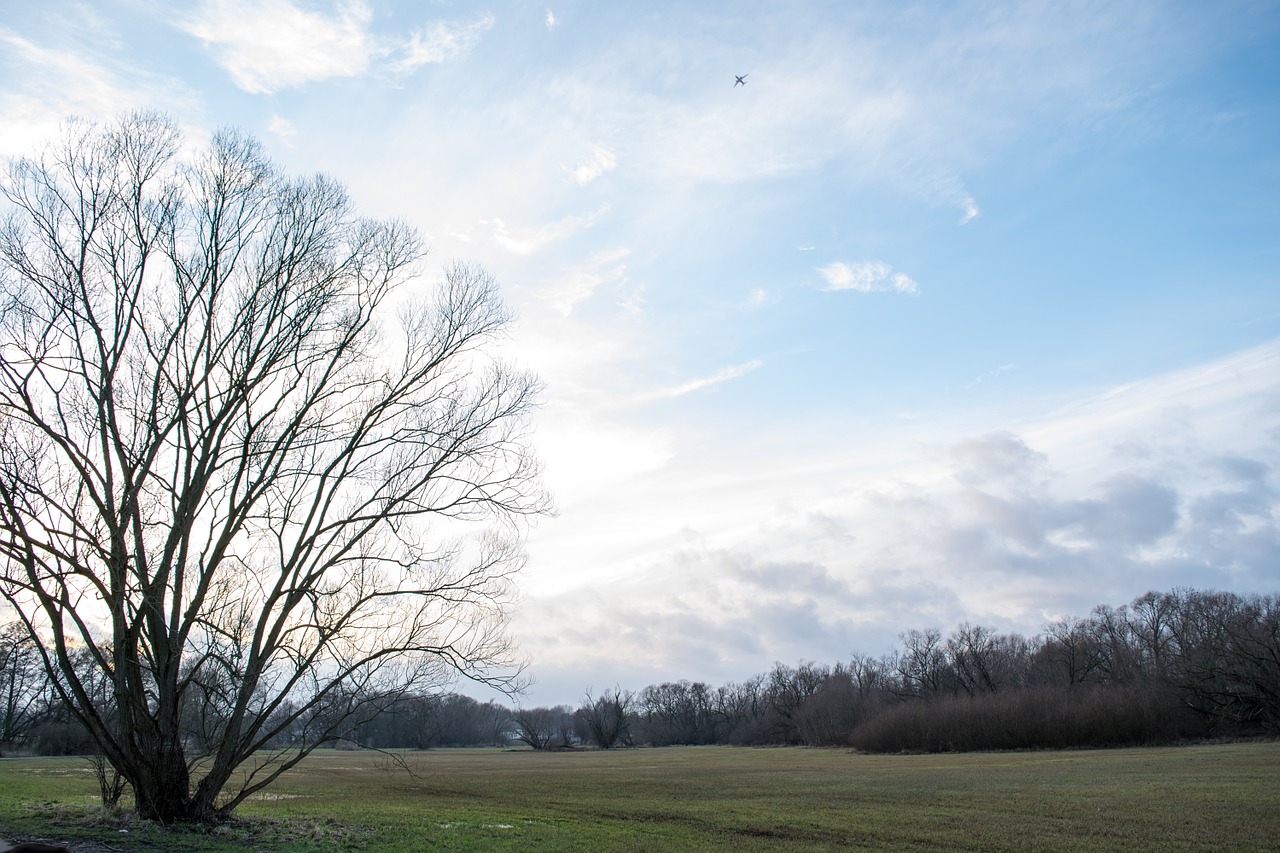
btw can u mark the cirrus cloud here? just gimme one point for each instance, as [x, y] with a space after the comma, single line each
[733, 371]
[443, 41]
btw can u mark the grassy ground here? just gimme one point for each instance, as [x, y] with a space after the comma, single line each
[1206, 798]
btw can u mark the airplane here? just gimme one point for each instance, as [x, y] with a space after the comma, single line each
[742, 81]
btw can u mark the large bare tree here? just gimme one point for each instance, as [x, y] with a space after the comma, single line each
[235, 511]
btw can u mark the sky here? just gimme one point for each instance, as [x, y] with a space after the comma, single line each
[953, 312]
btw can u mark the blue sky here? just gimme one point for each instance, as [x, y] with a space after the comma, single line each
[955, 311]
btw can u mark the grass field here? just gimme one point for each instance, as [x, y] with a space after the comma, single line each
[1208, 798]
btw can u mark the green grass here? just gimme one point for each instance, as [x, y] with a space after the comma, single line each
[1205, 798]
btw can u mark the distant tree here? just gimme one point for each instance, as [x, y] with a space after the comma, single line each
[921, 666]
[543, 728]
[428, 720]
[787, 689]
[984, 661]
[1224, 656]
[493, 721]
[681, 712]
[1254, 670]
[25, 690]
[1119, 651]
[250, 510]
[870, 675]
[607, 717]
[1069, 652]
[740, 708]
[827, 716]
[1151, 617]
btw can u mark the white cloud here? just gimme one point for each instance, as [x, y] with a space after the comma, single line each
[585, 452]
[633, 301]
[268, 45]
[599, 161]
[44, 85]
[734, 371]
[866, 277]
[742, 550]
[526, 241]
[282, 127]
[990, 374]
[573, 290]
[580, 284]
[551, 21]
[443, 42]
[915, 103]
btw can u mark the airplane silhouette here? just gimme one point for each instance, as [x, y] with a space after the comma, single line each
[742, 81]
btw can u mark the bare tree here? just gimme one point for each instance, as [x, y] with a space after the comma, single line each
[678, 712]
[221, 480]
[983, 661]
[494, 723]
[1151, 618]
[1227, 663]
[543, 728]
[739, 708]
[828, 716]
[922, 664]
[1071, 651]
[24, 685]
[607, 718]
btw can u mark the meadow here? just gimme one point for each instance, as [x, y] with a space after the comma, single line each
[1217, 797]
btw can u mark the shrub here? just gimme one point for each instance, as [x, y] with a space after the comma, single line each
[1035, 718]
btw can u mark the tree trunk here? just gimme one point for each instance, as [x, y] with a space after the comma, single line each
[162, 789]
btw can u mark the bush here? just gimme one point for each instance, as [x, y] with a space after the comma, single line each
[1034, 718]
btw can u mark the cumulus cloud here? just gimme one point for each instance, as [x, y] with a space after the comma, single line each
[866, 277]
[703, 614]
[1009, 508]
[1002, 553]
[736, 557]
[551, 20]
[1130, 511]
[999, 456]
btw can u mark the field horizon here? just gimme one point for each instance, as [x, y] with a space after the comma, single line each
[1194, 797]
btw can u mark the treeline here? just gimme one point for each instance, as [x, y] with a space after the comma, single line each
[1167, 666]
[35, 719]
